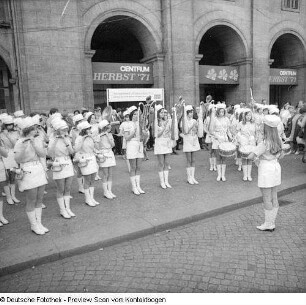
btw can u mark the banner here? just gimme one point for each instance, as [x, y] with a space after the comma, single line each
[218, 74]
[283, 77]
[134, 94]
[121, 73]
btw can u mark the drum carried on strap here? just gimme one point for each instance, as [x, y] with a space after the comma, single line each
[286, 148]
[227, 149]
[245, 150]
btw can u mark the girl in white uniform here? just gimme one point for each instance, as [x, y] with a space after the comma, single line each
[269, 170]
[190, 142]
[134, 149]
[84, 148]
[246, 136]
[3, 153]
[9, 136]
[105, 157]
[208, 140]
[60, 149]
[220, 130]
[28, 151]
[163, 144]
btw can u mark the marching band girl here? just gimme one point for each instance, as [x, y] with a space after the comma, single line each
[269, 170]
[3, 153]
[190, 142]
[208, 140]
[106, 158]
[28, 150]
[219, 128]
[9, 137]
[84, 148]
[60, 149]
[126, 118]
[163, 144]
[134, 149]
[246, 136]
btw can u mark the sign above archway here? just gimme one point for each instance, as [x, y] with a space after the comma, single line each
[283, 77]
[122, 73]
[218, 74]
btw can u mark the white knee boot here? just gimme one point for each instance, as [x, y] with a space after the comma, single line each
[250, 172]
[88, 199]
[245, 172]
[35, 227]
[223, 172]
[106, 192]
[239, 163]
[81, 185]
[189, 179]
[219, 169]
[134, 187]
[38, 212]
[92, 192]
[2, 219]
[215, 164]
[67, 205]
[166, 176]
[62, 207]
[162, 180]
[13, 193]
[109, 187]
[268, 224]
[7, 191]
[211, 163]
[192, 171]
[137, 179]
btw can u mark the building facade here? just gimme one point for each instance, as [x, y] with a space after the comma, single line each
[66, 54]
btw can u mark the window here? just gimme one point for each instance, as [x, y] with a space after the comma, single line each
[291, 5]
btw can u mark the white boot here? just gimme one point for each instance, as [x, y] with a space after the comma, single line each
[219, 168]
[189, 179]
[81, 185]
[166, 175]
[162, 180]
[215, 164]
[62, 207]
[275, 211]
[88, 199]
[35, 227]
[92, 192]
[223, 172]
[7, 192]
[67, 205]
[134, 188]
[192, 170]
[13, 192]
[268, 224]
[211, 163]
[109, 187]
[137, 179]
[245, 172]
[38, 212]
[250, 172]
[106, 192]
[2, 219]
[239, 161]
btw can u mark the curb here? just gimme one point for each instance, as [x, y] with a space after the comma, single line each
[140, 233]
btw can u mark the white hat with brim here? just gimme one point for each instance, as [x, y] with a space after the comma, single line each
[125, 113]
[84, 125]
[103, 124]
[7, 120]
[188, 107]
[26, 123]
[131, 109]
[158, 107]
[221, 106]
[236, 106]
[59, 124]
[273, 109]
[18, 114]
[36, 119]
[77, 118]
[3, 116]
[272, 120]
[87, 115]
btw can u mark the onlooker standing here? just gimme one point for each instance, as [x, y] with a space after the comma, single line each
[115, 124]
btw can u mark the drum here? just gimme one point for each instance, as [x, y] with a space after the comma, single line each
[227, 149]
[286, 149]
[246, 150]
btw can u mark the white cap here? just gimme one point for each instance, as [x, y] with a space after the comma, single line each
[3, 115]
[18, 113]
[26, 123]
[272, 120]
[158, 107]
[56, 115]
[188, 107]
[221, 106]
[103, 123]
[77, 118]
[87, 115]
[8, 120]
[126, 112]
[273, 109]
[18, 121]
[59, 124]
[84, 125]
[36, 119]
[132, 108]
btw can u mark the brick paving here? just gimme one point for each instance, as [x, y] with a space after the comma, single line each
[221, 254]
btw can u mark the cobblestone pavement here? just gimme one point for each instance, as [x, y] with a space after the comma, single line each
[225, 253]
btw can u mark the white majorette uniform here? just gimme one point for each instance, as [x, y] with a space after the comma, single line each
[190, 140]
[9, 138]
[163, 144]
[134, 147]
[105, 148]
[34, 174]
[246, 134]
[61, 157]
[219, 131]
[85, 151]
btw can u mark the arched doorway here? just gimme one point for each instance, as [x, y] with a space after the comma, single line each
[122, 47]
[287, 67]
[6, 90]
[223, 53]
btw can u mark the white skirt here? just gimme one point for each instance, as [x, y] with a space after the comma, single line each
[190, 143]
[109, 158]
[163, 146]
[91, 167]
[10, 162]
[2, 171]
[134, 149]
[269, 173]
[67, 168]
[33, 177]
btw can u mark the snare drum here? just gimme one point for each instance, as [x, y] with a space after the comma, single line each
[227, 149]
[245, 150]
[286, 148]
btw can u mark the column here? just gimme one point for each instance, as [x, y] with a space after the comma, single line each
[198, 58]
[88, 81]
